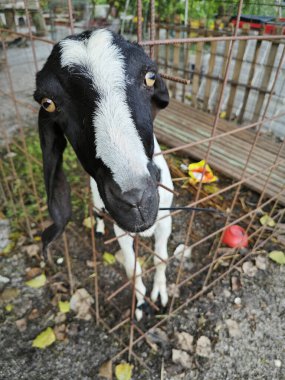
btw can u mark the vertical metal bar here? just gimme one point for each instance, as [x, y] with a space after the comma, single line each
[152, 27]
[70, 15]
[136, 246]
[139, 19]
[31, 34]
[94, 255]
[68, 263]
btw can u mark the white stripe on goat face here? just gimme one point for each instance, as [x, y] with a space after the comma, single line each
[118, 143]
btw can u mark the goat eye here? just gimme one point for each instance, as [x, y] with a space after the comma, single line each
[48, 105]
[149, 78]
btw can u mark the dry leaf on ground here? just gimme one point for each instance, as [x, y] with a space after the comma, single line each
[105, 370]
[249, 269]
[80, 303]
[233, 328]
[32, 250]
[203, 347]
[184, 341]
[261, 262]
[182, 358]
[21, 324]
[33, 272]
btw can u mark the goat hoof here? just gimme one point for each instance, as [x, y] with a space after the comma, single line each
[99, 235]
[146, 308]
[143, 309]
[138, 314]
[160, 291]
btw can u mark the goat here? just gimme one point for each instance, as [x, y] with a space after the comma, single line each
[102, 93]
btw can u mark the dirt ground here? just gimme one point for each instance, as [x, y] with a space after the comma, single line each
[243, 319]
[253, 348]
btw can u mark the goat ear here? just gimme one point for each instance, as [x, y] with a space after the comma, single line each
[53, 144]
[160, 98]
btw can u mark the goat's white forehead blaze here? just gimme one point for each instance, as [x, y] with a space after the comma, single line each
[118, 143]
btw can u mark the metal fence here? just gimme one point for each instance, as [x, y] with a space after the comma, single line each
[18, 191]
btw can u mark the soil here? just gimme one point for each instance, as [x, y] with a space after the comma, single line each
[258, 352]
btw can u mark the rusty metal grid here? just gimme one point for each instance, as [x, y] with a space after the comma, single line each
[257, 236]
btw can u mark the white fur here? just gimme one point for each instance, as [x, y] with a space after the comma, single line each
[161, 230]
[118, 143]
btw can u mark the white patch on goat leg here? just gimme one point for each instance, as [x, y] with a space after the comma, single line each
[118, 143]
[126, 244]
[162, 232]
[99, 204]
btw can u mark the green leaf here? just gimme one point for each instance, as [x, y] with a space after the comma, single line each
[108, 258]
[64, 306]
[37, 282]
[266, 220]
[277, 256]
[123, 371]
[44, 339]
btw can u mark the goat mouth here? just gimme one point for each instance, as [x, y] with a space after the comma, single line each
[134, 220]
[137, 228]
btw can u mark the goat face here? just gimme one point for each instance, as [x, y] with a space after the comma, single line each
[101, 93]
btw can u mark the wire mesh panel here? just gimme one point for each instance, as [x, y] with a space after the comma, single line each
[212, 82]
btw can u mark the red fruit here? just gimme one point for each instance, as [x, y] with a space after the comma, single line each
[235, 237]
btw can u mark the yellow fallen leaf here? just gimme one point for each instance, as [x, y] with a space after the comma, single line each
[123, 371]
[64, 306]
[9, 247]
[278, 257]
[37, 282]
[9, 307]
[37, 238]
[266, 220]
[88, 222]
[45, 338]
[223, 115]
[108, 258]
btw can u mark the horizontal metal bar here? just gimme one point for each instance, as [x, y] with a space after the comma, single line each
[175, 79]
[26, 35]
[192, 209]
[192, 40]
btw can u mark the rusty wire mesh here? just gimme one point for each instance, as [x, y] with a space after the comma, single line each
[191, 284]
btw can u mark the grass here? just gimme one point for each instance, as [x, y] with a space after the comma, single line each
[18, 171]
